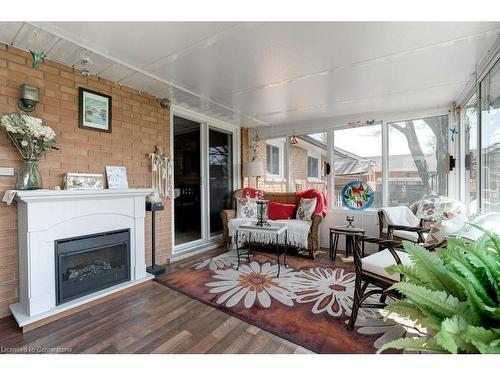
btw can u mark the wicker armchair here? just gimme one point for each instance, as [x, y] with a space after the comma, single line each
[286, 198]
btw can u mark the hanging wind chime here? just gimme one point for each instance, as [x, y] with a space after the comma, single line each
[161, 176]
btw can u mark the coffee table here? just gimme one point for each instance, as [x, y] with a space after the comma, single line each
[254, 230]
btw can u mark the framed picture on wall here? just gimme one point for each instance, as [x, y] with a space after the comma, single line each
[94, 111]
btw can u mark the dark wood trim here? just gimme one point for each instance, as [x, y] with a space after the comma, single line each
[81, 90]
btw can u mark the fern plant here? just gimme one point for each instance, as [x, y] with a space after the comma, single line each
[454, 294]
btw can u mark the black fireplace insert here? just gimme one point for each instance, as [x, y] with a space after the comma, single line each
[87, 264]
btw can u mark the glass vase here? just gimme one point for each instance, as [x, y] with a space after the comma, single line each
[28, 177]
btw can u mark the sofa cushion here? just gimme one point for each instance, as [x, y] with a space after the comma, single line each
[376, 263]
[280, 211]
[321, 201]
[439, 208]
[306, 209]
[253, 193]
[246, 208]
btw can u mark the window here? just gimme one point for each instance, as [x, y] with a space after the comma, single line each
[490, 140]
[312, 167]
[418, 163]
[469, 128]
[308, 154]
[358, 155]
[273, 160]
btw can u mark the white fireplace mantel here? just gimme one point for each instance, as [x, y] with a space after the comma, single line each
[45, 216]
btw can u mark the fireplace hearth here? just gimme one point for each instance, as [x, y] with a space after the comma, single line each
[91, 263]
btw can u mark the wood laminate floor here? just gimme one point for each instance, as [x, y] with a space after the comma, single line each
[151, 319]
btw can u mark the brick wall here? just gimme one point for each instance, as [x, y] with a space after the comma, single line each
[139, 123]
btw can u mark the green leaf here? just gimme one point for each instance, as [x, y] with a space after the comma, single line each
[412, 312]
[408, 272]
[492, 236]
[457, 259]
[422, 344]
[432, 270]
[474, 280]
[479, 310]
[480, 258]
[485, 340]
[450, 336]
[439, 302]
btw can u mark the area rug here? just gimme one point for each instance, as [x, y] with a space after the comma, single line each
[309, 304]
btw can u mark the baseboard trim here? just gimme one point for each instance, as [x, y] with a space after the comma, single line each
[196, 251]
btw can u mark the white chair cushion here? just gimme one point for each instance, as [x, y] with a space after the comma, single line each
[400, 215]
[410, 236]
[376, 263]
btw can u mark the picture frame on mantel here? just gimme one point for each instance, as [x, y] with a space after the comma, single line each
[94, 110]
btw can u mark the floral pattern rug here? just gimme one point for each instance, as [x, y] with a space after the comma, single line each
[308, 304]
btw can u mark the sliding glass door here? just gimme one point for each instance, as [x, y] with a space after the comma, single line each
[187, 181]
[220, 161]
[204, 178]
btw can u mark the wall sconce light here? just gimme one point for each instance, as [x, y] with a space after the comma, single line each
[30, 96]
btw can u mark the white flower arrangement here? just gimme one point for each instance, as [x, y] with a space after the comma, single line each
[28, 134]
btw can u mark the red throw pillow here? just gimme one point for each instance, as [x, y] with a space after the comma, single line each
[320, 200]
[253, 193]
[279, 211]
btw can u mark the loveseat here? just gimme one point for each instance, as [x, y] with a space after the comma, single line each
[285, 198]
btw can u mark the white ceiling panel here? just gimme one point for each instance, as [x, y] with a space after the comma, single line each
[275, 52]
[116, 72]
[26, 39]
[276, 73]
[420, 70]
[99, 63]
[147, 84]
[411, 101]
[8, 30]
[65, 52]
[142, 43]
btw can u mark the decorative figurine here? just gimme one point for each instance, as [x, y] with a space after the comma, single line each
[161, 176]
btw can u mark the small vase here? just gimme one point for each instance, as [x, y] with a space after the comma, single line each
[28, 177]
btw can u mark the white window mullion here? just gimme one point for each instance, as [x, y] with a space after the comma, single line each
[286, 161]
[331, 161]
[385, 164]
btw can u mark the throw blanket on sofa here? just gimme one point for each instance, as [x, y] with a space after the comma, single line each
[298, 232]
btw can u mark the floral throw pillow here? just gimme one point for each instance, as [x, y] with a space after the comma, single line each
[306, 208]
[246, 208]
[438, 208]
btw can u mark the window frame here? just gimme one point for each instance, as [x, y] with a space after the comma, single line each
[282, 140]
[318, 160]
[280, 145]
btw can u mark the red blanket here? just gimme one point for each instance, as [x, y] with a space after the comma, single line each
[321, 202]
